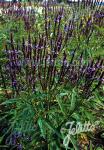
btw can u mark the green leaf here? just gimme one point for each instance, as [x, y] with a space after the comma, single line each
[73, 141]
[99, 148]
[91, 146]
[60, 105]
[2, 118]
[51, 127]
[73, 100]
[1, 138]
[42, 129]
[9, 101]
[63, 94]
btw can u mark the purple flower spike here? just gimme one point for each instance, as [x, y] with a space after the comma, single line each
[19, 147]
[14, 83]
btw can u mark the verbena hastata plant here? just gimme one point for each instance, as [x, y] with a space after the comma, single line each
[46, 86]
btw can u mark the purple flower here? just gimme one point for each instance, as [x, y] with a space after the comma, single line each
[14, 83]
[89, 23]
[19, 147]
[18, 134]
[66, 28]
